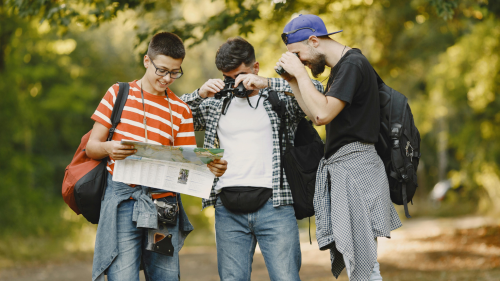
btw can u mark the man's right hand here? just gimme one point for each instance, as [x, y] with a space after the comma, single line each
[118, 151]
[98, 148]
[211, 87]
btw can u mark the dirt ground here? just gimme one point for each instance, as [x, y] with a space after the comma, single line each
[460, 249]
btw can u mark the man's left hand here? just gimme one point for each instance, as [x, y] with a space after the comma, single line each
[218, 167]
[251, 81]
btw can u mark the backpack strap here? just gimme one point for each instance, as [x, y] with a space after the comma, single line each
[279, 106]
[120, 101]
[116, 115]
[379, 80]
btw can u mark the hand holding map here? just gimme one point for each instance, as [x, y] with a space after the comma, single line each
[173, 168]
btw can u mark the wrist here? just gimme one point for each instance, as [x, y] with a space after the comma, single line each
[271, 83]
[203, 96]
[261, 82]
[301, 81]
[105, 147]
[302, 74]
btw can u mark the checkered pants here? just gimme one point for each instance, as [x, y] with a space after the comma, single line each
[353, 206]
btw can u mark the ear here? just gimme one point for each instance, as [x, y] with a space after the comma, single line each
[313, 41]
[146, 61]
[256, 68]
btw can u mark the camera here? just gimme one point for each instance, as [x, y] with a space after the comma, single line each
[167, 212]
[229, 89]
[280, 69]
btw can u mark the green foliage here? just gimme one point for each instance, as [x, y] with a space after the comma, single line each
[465, 86]
[49, 84]
[445, 8]
[93, 13]
[63, 13]
[241, 16]
[442, 54]
[237, 12]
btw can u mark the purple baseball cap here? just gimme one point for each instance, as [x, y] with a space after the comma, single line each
[303, 26]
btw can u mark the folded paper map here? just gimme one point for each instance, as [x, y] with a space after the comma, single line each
[173, 168]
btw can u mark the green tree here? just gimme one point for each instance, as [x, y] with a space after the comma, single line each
[57, 58]
[48, 84]
[463, 90]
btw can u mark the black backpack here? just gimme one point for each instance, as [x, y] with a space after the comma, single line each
[300, 161]
[398, 144]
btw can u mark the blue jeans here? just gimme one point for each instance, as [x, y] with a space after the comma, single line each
[276, 231]
[131, 245]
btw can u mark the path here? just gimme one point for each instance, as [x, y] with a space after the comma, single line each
[464, 249]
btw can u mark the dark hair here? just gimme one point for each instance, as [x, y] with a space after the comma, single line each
[233, 53]
[167, 44]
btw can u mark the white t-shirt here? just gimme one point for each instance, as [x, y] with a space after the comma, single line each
[245, 134]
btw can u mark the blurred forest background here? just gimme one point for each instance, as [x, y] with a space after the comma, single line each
[58, 58]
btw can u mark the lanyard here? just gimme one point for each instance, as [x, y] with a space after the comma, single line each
[144, 121]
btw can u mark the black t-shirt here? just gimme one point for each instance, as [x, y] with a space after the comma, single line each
[355, 82]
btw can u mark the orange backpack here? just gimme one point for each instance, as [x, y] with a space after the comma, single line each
[85, 178]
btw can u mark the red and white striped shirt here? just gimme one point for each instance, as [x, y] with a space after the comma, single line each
[131, 125]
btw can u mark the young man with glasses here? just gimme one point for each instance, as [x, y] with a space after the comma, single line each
[250, 206]
[352, 201]
[154, 114]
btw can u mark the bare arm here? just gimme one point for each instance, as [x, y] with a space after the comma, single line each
[321, 109]
[298, 96]
[98, 148]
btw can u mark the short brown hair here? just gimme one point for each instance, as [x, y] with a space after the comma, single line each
[233, 53]
[167, 44]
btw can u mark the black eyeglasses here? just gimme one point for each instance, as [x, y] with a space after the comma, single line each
[284, 36]
[164, 72]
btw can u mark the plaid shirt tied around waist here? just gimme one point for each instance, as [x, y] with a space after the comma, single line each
[352, 205]
[206, 115]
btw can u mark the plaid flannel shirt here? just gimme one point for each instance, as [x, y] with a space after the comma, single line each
[206, 115]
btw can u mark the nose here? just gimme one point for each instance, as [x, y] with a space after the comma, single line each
[167, 79]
